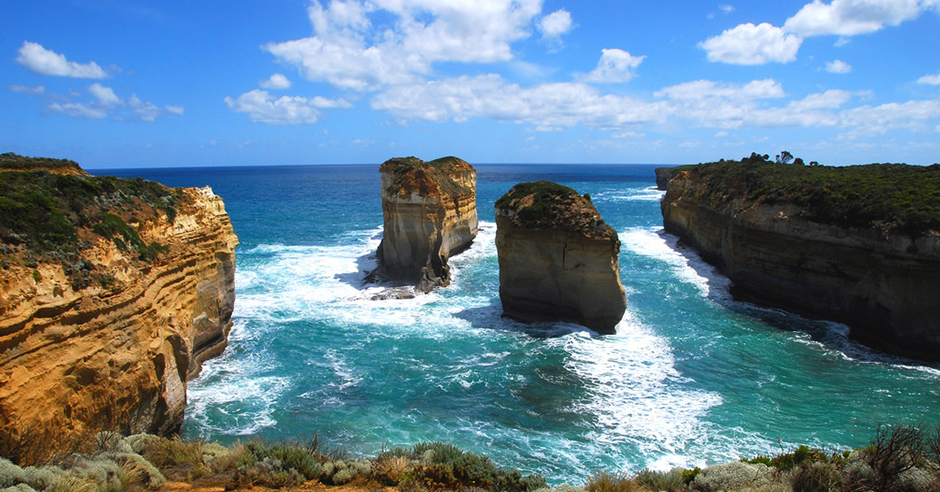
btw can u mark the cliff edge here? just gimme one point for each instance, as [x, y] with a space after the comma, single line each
[857, 244]
[112, 293]
[429, 212]
[558, 260]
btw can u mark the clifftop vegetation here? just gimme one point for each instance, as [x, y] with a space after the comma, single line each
[50, 216]
[894, 198]
[544, 204]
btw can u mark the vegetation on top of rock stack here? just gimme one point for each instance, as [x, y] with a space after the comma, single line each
[545, 204]
[412, 175]
[889, 197]
[50, 216]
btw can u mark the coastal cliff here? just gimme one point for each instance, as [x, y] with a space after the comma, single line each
[558, 260]
[112, 294]
[429, 211]
[858, 245]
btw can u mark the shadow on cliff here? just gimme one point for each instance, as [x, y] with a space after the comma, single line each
[830, 334]
[490, 317]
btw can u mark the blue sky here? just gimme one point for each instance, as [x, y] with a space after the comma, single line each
[138, 83]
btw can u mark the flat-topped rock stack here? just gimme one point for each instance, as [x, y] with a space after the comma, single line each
[429, 212]
[557, 258]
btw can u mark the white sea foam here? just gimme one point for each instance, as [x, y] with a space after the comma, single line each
[686, 264]
[649, 194]
[637, 395]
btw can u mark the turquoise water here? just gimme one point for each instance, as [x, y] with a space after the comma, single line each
[691, 378]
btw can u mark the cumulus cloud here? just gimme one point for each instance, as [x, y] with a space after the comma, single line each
[47, 62]
[851, 17]
[930, 79]
[276, 82]
[615, 66]
[838, 66]
[749, 44]
[349, 53]
[262, 107]
[546, 106]
[556, 24]
[105, 95]
[710, 103]
[867, 121]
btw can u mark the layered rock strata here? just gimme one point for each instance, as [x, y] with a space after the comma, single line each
[77, 357]
[558, 260]
[882, 284]
[429, 212]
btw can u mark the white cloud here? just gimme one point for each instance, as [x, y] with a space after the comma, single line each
[546, 106]
[710, 104]
[350, 53]
[930, 79]
[749, 44]
[105, 95]
[556, 24]
[78, 110]
[838, 66]
[47, 62]
[143, 110]
[614, 66]
[726, 8]
[25, 89]
[851, 17]
[97, 102]
[276, 82]
[867, 121]
[705, 89]
[261, 107]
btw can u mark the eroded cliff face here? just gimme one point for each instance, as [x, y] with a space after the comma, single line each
[429, 211]
[884, 286]
[558, 260]
[116, 353]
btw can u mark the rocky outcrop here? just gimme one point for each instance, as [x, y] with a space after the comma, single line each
[882, 284]
[430, 214]
[558, 260]
[663, 175]
[113, 350]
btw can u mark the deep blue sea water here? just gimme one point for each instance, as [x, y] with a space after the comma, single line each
[691, 378]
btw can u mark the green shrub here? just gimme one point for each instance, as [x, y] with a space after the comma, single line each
[670, 481]
[289, 457]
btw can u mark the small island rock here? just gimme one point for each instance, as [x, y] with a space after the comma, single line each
[429, 211]
[558, 260]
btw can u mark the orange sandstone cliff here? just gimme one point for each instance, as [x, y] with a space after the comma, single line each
[429, 211]
[102, 329]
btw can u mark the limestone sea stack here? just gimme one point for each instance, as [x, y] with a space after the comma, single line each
[558, 260]
[112, 293]
[855, 244]
[429, 212]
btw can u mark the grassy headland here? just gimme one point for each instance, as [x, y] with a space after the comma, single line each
[50, 215]
[894, 198]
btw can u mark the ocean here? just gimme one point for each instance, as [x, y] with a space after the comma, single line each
[691, 378]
